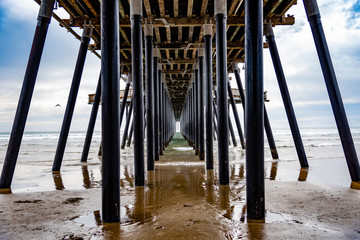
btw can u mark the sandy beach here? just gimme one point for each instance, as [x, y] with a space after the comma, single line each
[181, 200]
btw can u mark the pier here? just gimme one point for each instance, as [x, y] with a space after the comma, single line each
[177, 59]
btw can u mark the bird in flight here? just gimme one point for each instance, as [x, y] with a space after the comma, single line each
[57, 105]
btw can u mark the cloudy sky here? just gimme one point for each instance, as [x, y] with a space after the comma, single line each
[296, 47]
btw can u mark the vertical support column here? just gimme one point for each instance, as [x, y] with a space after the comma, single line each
[123, 103]
[65, 128]
[269, 34]
[110, 124]
[222, 98]
[92, 120]
[209, 97]
[232, 134]
[149, 79]
[201, 104]
[270, 136]
[239, 84]
[313, 14]
[268, 131]
[156, 104]
[137, 72]
[255, 185]
[126, 130]
[130, 135]
[236, 116]
[215, 119]
[196, 109]
[22, 110]
[161, 112]
[191, 97]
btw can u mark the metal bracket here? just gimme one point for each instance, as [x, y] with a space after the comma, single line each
[164, 21]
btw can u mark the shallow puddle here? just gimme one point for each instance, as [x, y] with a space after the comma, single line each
[181, 198]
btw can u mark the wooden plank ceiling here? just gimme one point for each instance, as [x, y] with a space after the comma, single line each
[178, 33]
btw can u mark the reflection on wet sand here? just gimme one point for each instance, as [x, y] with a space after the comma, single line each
[224, 191]
[86, 177]
[109, 231]
[58, 181]
[241, 171]
[180, 199]
[139, 214]
[129, 179]
[210, 186]
[273, 171]
[255, 231]
[303, 174]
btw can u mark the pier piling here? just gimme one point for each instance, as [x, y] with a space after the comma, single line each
[156, 103]
[161, 112]
[127, 124]
[270, 38]
[27, 90]
[124, 100]
[70, 106]
[110, 124]
[137, 73]
[149, 80]
[92, 120]
[314, 18]
[201, 104]
[208, 96]
[222, 97]
[236, 116]
[255, 183]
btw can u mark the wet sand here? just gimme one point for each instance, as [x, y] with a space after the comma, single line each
[182, 200]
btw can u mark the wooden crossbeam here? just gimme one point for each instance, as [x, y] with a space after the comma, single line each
[74, 4]
[162, 8]
[203, 7]
[233, 7]
[190, 8]
[147, 8]
[270, 7]
[182, 22]
[176, 8]
[121, 10]
[91, 7]
[287, 7]
[174, 46]
[180, 34]
[234, 33]
[123, 34]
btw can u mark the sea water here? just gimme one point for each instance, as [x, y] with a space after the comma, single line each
[33, 170]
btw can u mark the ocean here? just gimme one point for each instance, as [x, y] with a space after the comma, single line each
[33, 171]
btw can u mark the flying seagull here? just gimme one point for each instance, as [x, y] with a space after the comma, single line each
[57, 105]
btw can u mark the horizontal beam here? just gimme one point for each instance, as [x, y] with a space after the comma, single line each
[178, 22]
[183, 46]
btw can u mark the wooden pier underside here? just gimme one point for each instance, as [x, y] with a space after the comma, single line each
[178, 28]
